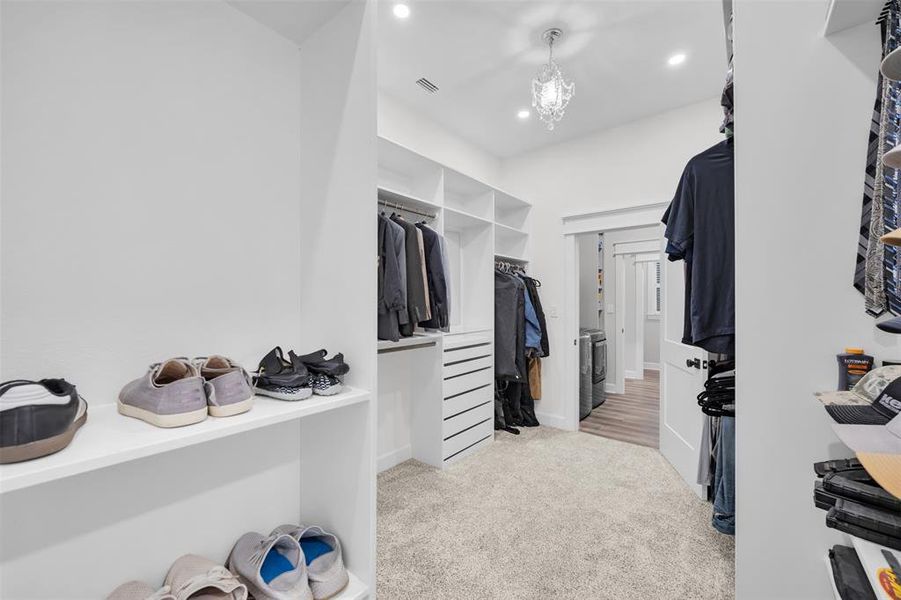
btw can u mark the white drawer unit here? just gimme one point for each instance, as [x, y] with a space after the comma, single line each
[468, 405]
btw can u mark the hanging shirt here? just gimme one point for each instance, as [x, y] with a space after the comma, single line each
[533, 327]
[436, 279]
[700, 229]
[417, 300]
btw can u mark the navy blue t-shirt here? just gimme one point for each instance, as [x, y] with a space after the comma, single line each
[700, 229]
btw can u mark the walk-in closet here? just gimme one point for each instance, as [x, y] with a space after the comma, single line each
[450, 300]
[436, 400]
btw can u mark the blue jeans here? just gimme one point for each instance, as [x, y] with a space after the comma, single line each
[724, 479]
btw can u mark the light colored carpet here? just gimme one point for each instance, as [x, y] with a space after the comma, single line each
[548, 514]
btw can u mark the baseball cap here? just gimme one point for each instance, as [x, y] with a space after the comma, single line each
[864, 391]
[893, 238]
[890, 325]
[883, 409]
[878, 448]
[892, 158]
[891, 65]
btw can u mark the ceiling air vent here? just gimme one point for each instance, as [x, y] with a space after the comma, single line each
[427, 85]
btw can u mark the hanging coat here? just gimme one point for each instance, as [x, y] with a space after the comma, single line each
[532, 286]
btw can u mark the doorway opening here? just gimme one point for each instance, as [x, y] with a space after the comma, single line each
[620, 302]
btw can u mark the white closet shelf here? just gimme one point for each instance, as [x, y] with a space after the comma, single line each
[109, 438]
[845, 14]
[355, 590]
[508, 258]
[408, 200]
[506, 201]
[514, 230]
[455, 218]
[417, 339]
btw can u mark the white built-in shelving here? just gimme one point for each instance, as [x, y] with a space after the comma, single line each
[427, 409]
[219, 248]
[108, 439]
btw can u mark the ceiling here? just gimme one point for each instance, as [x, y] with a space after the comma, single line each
[483, 54]
[294, 20]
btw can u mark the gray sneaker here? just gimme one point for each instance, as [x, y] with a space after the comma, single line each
[138, 590]
[199, 578]
[232, 391]
[171, 394]
[272, 568]
[322, 553]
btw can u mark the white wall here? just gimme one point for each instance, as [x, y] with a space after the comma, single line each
[588, 280]
[632, 369]
[129, 181]
[805, 104]
[634, 164]
[399, 123]
[651, 341]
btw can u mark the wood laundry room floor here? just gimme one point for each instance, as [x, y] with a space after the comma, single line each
[632, 417]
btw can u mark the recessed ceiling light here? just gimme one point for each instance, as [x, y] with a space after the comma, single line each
[401, 10]
[523, 114]
[676, 59]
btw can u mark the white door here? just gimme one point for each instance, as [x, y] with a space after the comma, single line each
[683, 370]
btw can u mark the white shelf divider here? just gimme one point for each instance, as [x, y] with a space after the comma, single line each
[108, 438]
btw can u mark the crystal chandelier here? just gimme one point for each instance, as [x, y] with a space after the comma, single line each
[551, 93]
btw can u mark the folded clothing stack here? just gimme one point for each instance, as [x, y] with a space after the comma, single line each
[849, 575]
[856, 504]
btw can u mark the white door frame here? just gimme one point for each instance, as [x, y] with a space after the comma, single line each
[574, 224]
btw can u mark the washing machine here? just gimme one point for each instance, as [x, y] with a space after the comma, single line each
[598, 341]
[585, 374]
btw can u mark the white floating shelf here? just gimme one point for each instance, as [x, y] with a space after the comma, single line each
[109, 438]
[417, 339]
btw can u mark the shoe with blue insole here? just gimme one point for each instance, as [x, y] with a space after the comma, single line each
[272, 568]
[322, 553]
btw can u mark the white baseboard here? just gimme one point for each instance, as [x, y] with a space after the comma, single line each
[394, 458]
[610, 388]
[551, 420]
[634, 374]
[652, 366]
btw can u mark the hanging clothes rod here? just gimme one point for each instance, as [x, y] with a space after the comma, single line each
[412, 211]
[507, 267]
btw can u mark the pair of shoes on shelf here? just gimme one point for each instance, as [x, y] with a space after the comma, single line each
[325, 372]
[181, 392]
[299, 377]
[292, 563]
[38, 418]
[190, 576]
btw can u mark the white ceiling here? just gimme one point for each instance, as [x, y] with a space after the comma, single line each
[483, 54]
[295, 20]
